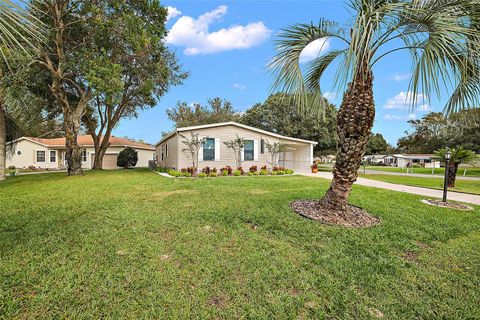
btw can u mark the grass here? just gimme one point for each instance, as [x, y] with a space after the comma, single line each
[471, 171]
[467, 186]
[133, 244]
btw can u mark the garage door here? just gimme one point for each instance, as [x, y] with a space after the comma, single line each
[110, 161]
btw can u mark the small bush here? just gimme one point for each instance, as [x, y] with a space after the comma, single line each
[174, 173]
[11, 167]
[161, 169]
[263, 172]
[228, 169]
[256, 173]
[263, 168]
[186, 174]
[127, 158]
[280, 172]
[32, 168]
[224, 172]
[289, 171]
[274, 173]
[249, 173]
[253, 169]
[237, 173]
[241, 170]
[213, 174]
[206, 170]
[202, 175]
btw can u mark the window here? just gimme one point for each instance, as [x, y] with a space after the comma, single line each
[248, 150]
[166, 151]
[209, 149]
[41, 156]
[84, 156]
[262, 146]
[53, 156]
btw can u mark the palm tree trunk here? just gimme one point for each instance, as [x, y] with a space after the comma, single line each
[3, 143]
[452, 174]
[354, 125]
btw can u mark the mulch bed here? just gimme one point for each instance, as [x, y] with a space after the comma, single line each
[354, 217]
[449, 205]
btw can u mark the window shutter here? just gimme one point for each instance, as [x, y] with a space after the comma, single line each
[200, 154]
[34, 155]
[217, 149]
[242, 154]
[255, 150]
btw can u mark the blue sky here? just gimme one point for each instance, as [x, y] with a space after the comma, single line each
[225, 46]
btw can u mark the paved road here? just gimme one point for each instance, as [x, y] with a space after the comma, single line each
[462, 197]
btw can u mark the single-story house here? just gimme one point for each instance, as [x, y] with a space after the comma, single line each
[50, 153]
[407, 160]
[171, 151]
[403, 160]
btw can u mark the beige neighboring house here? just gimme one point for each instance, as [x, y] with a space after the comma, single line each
[50, 153]
[170, 150]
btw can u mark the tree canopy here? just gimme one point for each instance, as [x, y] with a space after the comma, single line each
[217, 110]
[280, 114]
[436, 131]
[376, 144]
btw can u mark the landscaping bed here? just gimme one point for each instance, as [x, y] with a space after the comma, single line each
[225, 172]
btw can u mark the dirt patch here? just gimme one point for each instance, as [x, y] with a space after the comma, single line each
[353, 217]
[218, 301]
[410, 255]
[449, 205]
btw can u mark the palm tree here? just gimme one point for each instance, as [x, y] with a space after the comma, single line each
[444, 48]
[458, 155]
[17, 31]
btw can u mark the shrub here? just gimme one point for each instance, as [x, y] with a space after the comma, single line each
[11, 167]
[237, 173]
[289, 171]
[277, 168]
[32, 168]
[256, 173]
[186, 174]
[224, 172]
[280, 172]
[228, 169]
[202, 175]
[174, 173]
[161, 169]
[263, 172]
[263, 168]
[249, 173]
[127, 158]
[253, 169]
[274, 173]
[241, 170]
[206, 170]
[213, 174]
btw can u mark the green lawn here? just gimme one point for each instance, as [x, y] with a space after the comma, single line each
[133, 244]
[471, 171]
[468, 186]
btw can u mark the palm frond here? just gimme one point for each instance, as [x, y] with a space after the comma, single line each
[286, 64]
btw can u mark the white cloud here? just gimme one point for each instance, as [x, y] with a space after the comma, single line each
[172, 13]
[400, 76]
[330, 95]
[239, 86]
[195, 36]
[405, 100]
[314, 49]
[410, 116]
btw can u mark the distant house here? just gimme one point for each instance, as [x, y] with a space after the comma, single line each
[50, 153]
[403, 160]
[170, 150]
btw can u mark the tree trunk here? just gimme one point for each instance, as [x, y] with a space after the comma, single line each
[100, 149]
[452, 174]
[73, 154]
[354, 125]
[3, 143]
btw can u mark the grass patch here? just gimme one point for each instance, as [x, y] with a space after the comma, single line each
[133, 244]
[467, 186]
[470, 171]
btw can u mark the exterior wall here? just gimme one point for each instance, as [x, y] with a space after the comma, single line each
[27, 156]
[174, 146]
[297, 157]
[29, 149]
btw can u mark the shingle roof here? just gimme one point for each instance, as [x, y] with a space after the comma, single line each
[87, 141]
